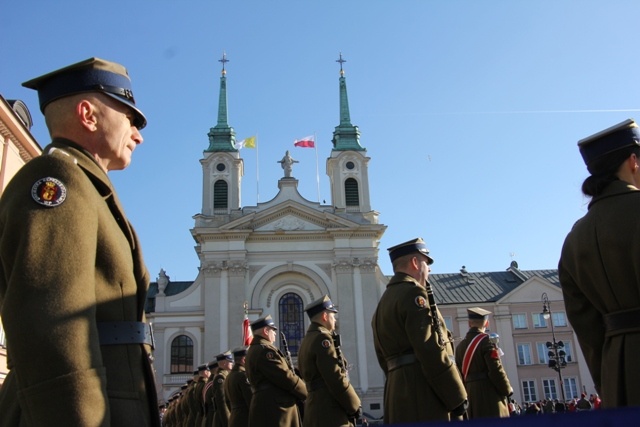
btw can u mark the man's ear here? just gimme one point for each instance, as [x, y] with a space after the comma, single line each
[86, 113]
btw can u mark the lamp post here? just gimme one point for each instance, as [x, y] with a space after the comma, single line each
[556, 354]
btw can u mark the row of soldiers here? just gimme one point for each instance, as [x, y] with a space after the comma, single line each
[258, 385]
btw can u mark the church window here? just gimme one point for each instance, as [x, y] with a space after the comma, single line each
[291, 320]
[220, 194]
[352, 197]
[220, 167]
[182, 355]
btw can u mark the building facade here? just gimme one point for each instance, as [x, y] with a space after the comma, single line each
[17, 147]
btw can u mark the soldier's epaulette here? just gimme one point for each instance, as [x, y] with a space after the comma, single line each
[54, 151]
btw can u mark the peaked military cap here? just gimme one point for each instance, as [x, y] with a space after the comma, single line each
[262, 322]
[622, 135]
[239, 351]
[196, 372]
[406, 248]
[478, 313]
[203, 368]
[90, 75]
[319, 306]
[212, 365]
[225, 356]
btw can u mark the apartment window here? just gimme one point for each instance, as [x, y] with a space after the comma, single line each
[559, 319]
[524, 354]
[571, 388]
[448, 322]
[529, 391]
[519, 321]
[569, 351]
[182, 355]
[538, 320]
[549, 389]
[543, 352]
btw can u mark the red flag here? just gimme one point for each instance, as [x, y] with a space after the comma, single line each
[247, 335]
[306, 142]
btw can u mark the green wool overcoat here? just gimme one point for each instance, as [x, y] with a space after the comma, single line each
[221, 418]
[238, 393]
[276, 387]
[599, 271]
[486, 383]
[431, 388]
[331, 398]
[64, 268]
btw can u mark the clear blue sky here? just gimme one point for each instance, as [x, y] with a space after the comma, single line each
[469, 110]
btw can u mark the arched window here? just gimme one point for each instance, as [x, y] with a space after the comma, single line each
[220, 194]
[352, 198]
[182, 355]
[291, 320]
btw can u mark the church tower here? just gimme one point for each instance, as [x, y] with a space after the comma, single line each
[222, 167]
[348, 166]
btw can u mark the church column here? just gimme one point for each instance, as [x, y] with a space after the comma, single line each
[360, 330]
[347, 324]
[223, 310]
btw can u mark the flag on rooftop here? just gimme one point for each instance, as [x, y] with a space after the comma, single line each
[306, 142]
[246, 143]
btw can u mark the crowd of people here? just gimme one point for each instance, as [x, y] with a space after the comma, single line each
[555, 406]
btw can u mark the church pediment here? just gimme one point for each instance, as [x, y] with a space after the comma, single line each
[290, 216]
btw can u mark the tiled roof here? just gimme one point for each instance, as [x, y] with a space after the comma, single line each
[173, 288]
[466, 287]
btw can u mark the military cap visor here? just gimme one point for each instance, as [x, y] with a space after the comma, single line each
[617, 137]
[478, 313]
[319, 306]
[410, 247]
[90, 75]
[224, 356]
[262, 322]
[239, 352]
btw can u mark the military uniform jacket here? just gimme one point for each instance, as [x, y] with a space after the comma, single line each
[275, 386]
[331, 396]
[198, 396]
[64, 268]
[599, 274]
[486, 383]
[402, 324]
[237, 392]
[221, 417]
[208, 402]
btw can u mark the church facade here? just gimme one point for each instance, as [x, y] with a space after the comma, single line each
[275, 258]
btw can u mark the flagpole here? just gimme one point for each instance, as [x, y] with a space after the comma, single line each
[315, 146]
[257, 171]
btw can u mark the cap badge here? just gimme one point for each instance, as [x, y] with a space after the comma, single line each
[326, 343]
[49, 192]
[421, 302]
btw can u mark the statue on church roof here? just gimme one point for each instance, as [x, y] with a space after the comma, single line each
[287, 164]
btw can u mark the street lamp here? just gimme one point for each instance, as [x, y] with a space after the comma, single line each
[557, 360]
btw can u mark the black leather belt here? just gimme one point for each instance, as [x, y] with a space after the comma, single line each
[400, 361]
[118, 333]
[623, 321]
[476, 376]
[261, 387]
[315, 385]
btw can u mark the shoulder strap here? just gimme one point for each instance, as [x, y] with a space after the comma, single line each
[468, 354]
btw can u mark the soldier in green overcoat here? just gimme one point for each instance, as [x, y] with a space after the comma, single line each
[73, 282]
[332, 400]
[412, 344]
[485, 379]
[275, 386]
[598, 268]
[225, 363]
[209, 409]
[237, 390]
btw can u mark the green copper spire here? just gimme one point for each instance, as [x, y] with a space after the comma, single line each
[346, 137]
[222, 137]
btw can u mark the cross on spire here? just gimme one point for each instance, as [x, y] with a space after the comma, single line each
[341, 61]
[223, 60]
